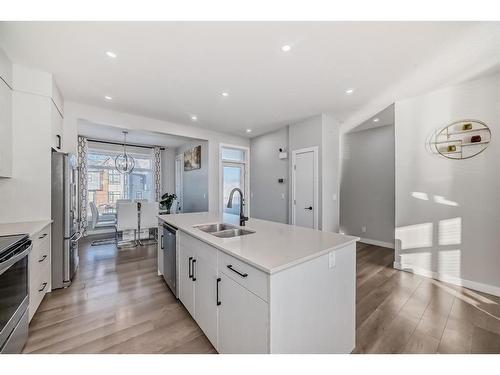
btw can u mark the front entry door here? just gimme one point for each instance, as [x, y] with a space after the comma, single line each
[305, 188]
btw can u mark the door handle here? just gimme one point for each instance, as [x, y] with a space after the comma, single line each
[189, 269]
[58, 141]
[42, 259]
[43, 287]
[42, 236]
[230, 266]
[308, 208]
[161, 242]
[194, 270]
[217, 291]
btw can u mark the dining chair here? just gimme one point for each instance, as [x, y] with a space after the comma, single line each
[148, 218]
[126, 219]
[99, 221]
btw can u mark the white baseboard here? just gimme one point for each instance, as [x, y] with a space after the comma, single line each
[480, 287]
[377, 243]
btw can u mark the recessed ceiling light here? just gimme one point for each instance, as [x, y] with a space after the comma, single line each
[249, 130]
[376, 119]
[194, 118]
[286, 48]
[225, 93]
[349, 91]
[107, 97]
[111, 54]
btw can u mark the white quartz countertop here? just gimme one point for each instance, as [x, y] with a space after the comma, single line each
[23, 227]
[272, 248]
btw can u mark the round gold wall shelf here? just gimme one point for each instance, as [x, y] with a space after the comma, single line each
[462, 139]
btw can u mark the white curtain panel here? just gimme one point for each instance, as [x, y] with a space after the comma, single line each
[83, 147]
[157, 172]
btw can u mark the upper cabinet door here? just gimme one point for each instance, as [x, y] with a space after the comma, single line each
[5, 130]
[243, 319]
[57, 128]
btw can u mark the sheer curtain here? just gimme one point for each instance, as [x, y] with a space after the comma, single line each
[83, 148]
[157, 172]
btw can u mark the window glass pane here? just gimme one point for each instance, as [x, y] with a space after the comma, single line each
[233, 154]
[106, 184]
[233, 177]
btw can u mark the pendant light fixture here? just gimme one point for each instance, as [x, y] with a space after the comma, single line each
[124, 163]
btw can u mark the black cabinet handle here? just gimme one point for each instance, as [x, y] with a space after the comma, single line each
[189, 270]
[43, 287]
[230, 266]
[161, 242]
[42, 259]
[58, 141]
[217, 291]
[194, 270]
[308, 208]
[42, 236]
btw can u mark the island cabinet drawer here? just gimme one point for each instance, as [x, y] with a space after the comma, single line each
[244, 274]
[200, 249]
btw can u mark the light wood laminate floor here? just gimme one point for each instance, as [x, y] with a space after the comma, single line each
[118, 304]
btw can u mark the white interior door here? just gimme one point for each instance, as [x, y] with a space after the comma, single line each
[179, 168]
[305, 188]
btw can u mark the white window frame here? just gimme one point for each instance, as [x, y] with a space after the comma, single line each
[246, 168]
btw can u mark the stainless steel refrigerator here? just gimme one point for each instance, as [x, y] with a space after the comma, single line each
[65, 228]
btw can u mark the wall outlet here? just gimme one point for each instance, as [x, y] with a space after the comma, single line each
[331, 259]
[363, 229]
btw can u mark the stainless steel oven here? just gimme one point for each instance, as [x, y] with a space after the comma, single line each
[13, 292]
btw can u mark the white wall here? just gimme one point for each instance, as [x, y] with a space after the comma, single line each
[75, 111]
[269, 198]
[367, 186]
[447, 211]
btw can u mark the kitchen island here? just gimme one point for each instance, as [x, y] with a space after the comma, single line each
[277, 289]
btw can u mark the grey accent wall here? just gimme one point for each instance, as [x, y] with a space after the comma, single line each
[195, 183]
[269, 199]
[307, 133]
[367, 184]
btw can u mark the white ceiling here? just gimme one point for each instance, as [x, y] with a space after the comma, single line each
[383, 118]
[115, 134]
[172, 70]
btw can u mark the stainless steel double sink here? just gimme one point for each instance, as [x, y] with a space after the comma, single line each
[224, 230]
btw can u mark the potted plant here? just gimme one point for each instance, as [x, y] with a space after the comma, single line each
[166, 201]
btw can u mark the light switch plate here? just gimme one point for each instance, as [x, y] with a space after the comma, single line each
[331, 259]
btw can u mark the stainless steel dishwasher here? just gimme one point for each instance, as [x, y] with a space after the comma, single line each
[170, 257]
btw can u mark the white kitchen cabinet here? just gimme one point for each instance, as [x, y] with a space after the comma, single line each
[242, 321]
[186, 284]
[39, 269]
[305, 308]
[205, 294]
[5, 130]
[57, 128]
